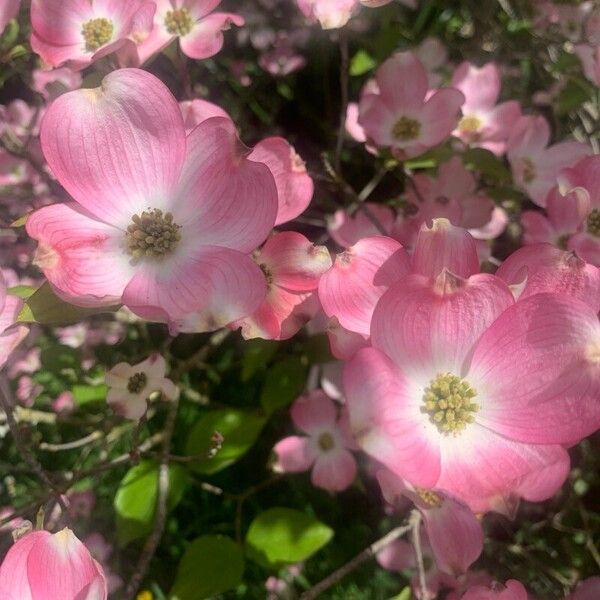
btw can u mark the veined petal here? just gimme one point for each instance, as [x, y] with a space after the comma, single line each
[206, 37]
[334, 470]
[314, 412]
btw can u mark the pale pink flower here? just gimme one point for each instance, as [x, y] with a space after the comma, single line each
[9, 9]
[193, 22]
[589, 589]
[400, 117]
[465, 392]
[535, 165]
[45, 566]
[63, 403]
[27, 390]
[161, 223]
[14, 523]
[455, 534]
[281, 60]
[11, 333]
[368, 220]
[485, 123]
[197, 111]
[130, 386]
[324, 448]
[78, 32]
[51, 84]
[590, 61]
[511, 590]
[292, 266]
[101, 550]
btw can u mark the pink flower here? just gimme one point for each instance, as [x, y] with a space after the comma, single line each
[196, 111]
[484, 123]
[281, 60]
[400, 117]
[160, 222]
[45, 566]
[588, 589]
[8, 10]
[535, 165]
[325, 446]
[51, 84]
[511, 590]
[101, 550]
[63, 403]
[199, 29]
[11, 334]
[78, 32]
[590, 60]
[292, 266]
[465, 392]
[132, 385]
[368, 220]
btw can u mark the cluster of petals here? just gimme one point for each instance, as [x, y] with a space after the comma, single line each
[408, 119]
[325, 447]
[484, 123]
[161, 222]
[130, 386]
[46, 566]
[293, 266]
[11, 333]
[535, 165]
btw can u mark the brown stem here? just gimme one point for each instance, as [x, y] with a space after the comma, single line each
[344, 68]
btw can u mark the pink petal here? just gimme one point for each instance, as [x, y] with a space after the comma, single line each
[537, 371]
[60, 567]
[206, 38]
[344, 344]
[82, 257]
[347, 230]
[196, 111]
[568, 211]
[481, 86]
[117, 149]
[59, 22]
[444, 246]
[203, 292]
[397, 556]
[226, 199]
[584, 174]
[294, 454]
[588, 589]
[314, 412]
[295, 263]
[455, 536]
[8, 11]
[294, 185]
[405, 67]
[513, 590]
[334, 470]
[352, 126]
[96, 590]
[541, 484]
[493, 228]
[11, 335]
[433, 328]
[359, 277]
[439, 116]
[386, 422]
[537, 228]
[586, 246]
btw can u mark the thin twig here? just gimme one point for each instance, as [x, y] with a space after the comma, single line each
[351, 565]
[84, 441]
[160, 516]
[344, 72]
[415, 519]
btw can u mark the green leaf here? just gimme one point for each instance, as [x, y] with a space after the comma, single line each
[212, 564]
[239, 428]
[486, 163]
[21, 291]
[44, 306]
[405, 594]
[362, 62]
[58, 358]
[83, 394]
[284, 382]
[257, 353]
[283, 536]
[430, 159]
[572, 97]
[135, 501]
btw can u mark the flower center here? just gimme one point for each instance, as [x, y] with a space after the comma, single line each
[529, 172]
[267, 273]
[430, 498]
[470, 126]
[326, 442]
[178, 21]
[96, 33]
[448, 402]
[406, 128]
[593, 222]
[137, 383]
[152, 234]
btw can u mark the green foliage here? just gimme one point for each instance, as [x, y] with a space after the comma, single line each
[135, 501]
[239, 429]
[283, 535]
[283, 383]
[212, 564]
[362, 62]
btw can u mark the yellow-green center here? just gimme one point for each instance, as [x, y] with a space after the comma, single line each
[96, 33]
[153, 234]
[406, 128]
[137, 383]
[529, 171]
[593, 222]
[449, 403]
[470, 124]
[178, 21]
[326, 442]
[430, 498]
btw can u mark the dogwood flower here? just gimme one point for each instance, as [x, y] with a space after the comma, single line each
[484, 122]
[325, 447]
[46, 566]
[161, 223]
[11, 334]
[590, 61]
[193, 22]
[78, 32]
[368, 221]
[511, 590]
[8, 10]
[292, 266]
[130, 386]
[589, 589]
[535, 165]
[405, 118]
